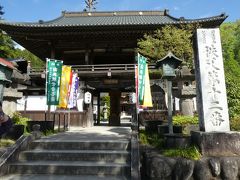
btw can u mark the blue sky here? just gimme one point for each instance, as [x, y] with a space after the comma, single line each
[34, 10]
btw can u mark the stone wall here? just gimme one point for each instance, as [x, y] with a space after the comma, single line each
[158, 167]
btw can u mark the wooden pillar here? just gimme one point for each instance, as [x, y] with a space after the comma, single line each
[25, 104]
[89, 115]
[87, 57]
[98, 108]
[114, 119]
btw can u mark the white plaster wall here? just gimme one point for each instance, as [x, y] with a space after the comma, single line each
[38, 103]
[34, 103]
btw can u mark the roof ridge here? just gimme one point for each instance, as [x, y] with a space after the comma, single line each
[113, 13]
[222, 15]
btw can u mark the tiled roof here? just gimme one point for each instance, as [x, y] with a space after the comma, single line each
[6, 63]
[119, 18]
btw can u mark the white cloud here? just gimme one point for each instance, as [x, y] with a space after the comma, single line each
[176, 8]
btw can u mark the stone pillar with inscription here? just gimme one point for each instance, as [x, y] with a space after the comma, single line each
[211, 89]
[214, 137]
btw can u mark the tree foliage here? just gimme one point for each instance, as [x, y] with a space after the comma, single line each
[7, 49]
[237, 43]
[228, 40]
[1, 12]
[90, 4]
[178, 40]
[230, 35]
[6, 43]
[28, 56]
[232, 76]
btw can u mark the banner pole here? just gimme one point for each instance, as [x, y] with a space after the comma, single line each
[68, 97]
[69, 114]
[52, 57]
[48, 106]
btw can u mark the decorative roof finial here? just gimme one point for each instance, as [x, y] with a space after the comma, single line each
[90, 5]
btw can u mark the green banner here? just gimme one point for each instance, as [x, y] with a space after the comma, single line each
[142, 61]
[54, 71]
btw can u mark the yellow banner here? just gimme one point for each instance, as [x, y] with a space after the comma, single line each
[147, 100]
[65, 79]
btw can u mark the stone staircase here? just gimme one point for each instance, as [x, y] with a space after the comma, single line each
[73, 159]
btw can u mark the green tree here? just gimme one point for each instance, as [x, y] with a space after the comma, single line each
[105, 100]
[1, 11]
[232, 76]
[230, 36]
[237, 43]
[6, 43]
[170, 38]
[228, 40]
[7, 49]
[90, 5]
[28, 56]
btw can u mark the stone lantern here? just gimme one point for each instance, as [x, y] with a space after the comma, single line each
[168, 64]
[186, 91]
[6, 70]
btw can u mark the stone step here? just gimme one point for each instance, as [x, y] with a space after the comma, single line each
[80, 144]
[76, 155]
[60, 177]
[70, 168]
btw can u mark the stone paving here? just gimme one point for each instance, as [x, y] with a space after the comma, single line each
[93, 133]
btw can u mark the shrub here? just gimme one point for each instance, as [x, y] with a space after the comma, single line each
[105, 100]
[184, 120]
[50, 132]
[6, 142]
[235, 123]
[152, 139]
[188, 153]
[18, 119]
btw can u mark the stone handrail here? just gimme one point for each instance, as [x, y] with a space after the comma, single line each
[135, 155]
[12, 153]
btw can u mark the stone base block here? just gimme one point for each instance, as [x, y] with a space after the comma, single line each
[159, 167]
[217, 143]
[176, 140]
[152, 126]
[163, 129]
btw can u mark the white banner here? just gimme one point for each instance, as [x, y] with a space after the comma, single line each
[72, 101]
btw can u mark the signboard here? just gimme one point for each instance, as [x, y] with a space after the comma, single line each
[142, 61]
[168, 70]
[87, 98]
[212, 99]
[110, 81]
[54, 71]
